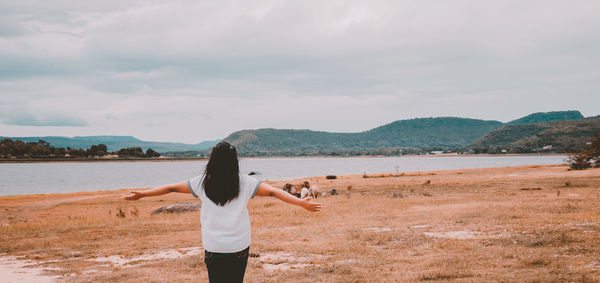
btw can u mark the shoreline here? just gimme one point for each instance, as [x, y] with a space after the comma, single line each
[175, 159]
[84, 160]
[417, 155]
[379, 175]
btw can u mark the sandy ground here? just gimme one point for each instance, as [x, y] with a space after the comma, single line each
[513, 224]
[13, 269]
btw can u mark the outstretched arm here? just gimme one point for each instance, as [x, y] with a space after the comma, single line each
[268, 190]
[181, 187]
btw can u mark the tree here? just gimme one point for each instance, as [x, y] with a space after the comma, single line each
[588, 157]
[578, 161]
[6, 147]
[151, 153]
[97, 150]
[131, 152]
[38, 150]
[594, 148]
[77, 152]
[60, 152]
[19, 148]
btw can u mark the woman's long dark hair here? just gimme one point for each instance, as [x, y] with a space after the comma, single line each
[221, 177]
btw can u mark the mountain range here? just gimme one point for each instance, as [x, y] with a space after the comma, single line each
[425, 133]
[555, 136]
[566, 131]
[114, 143]
[413, 133]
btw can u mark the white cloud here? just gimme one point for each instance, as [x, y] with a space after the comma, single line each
[158, 69]
[37, 113]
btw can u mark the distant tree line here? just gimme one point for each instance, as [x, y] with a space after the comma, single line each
[388, 151]
[42, 149]
[187, 153]
[137, 152]
[588, 157]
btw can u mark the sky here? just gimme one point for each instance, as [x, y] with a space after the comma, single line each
[190, 71]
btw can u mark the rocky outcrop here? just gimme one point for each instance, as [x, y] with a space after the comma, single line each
[178, 208]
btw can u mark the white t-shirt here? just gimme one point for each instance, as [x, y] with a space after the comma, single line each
[225, 229]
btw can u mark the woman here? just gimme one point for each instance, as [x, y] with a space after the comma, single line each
[225, 222]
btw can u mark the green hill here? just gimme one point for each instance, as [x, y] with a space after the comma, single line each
[563, 136]
[279, 141]
[541, 117]
[115, 143]
[444, 132]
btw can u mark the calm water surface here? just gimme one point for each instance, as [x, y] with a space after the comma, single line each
[43, 178]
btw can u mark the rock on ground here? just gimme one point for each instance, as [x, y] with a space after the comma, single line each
[178, 208]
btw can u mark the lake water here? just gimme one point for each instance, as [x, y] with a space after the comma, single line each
[43, 178]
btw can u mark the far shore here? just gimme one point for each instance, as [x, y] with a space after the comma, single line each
[75, 160]
[172, 159]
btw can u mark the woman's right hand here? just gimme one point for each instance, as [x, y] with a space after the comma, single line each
[311, 205]
[132, 195]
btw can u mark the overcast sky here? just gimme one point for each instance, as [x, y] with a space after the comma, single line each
[189, 71]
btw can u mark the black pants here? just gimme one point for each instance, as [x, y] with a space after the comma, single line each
[226, 267]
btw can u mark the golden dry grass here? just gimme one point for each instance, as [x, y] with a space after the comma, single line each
[461, 225]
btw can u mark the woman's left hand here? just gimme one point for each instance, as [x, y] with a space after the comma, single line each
[132, 195]
[311, 205]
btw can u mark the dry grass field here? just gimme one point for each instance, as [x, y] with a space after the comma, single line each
[514, 224]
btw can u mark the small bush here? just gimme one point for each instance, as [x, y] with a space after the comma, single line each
[397, 195]
[437, 276]
[586, 158]
[121, 213]
[579, 162]
[542, 261]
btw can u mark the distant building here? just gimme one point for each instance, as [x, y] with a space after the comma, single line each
[588, 143]
[547, 147]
